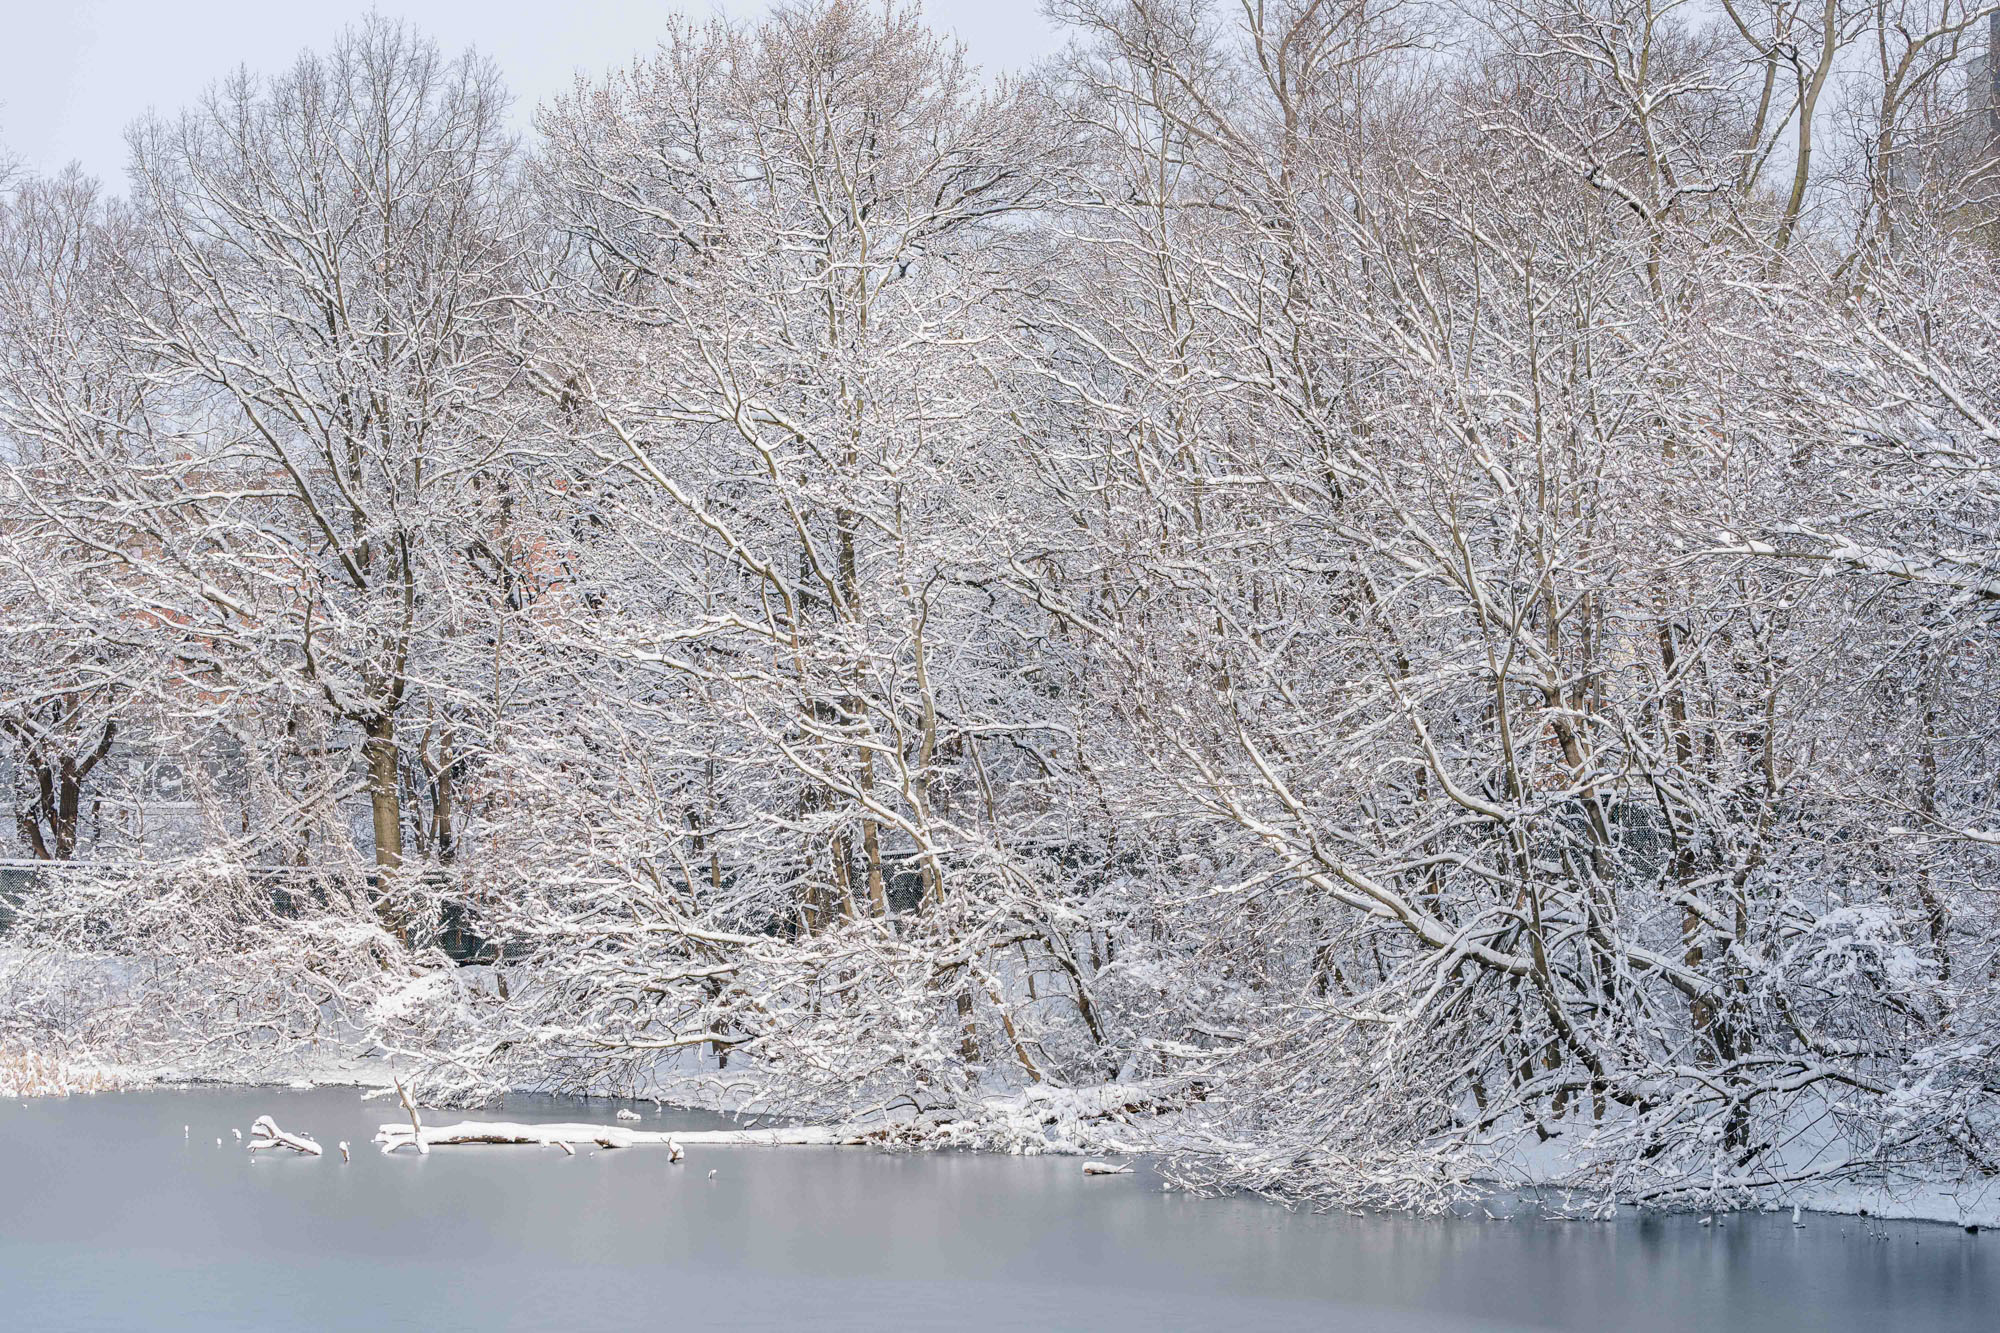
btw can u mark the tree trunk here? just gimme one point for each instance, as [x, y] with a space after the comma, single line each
[385, 798]
[386, 805]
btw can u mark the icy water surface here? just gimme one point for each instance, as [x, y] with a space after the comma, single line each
[110, 1219]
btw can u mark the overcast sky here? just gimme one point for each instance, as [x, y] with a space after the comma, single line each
[74, 73]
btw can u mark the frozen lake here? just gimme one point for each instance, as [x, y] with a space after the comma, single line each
[111, 1220]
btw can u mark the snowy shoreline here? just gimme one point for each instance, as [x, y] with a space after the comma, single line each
[1535, 1178]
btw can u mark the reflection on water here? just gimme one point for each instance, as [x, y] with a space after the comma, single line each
[111, 1219]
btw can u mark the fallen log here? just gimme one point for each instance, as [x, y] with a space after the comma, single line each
[393, 1136]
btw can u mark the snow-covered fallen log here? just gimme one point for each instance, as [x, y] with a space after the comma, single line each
[264, 1133]
[393, 1136]
[1105, 1169]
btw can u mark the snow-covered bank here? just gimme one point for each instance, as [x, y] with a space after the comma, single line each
[1135, 1118]
[1807, 1173]
[1967, 1203]
[84, 1006]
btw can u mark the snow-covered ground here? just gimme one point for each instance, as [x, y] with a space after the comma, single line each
[1561, 1163]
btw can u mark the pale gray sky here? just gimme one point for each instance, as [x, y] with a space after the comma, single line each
[74, 73]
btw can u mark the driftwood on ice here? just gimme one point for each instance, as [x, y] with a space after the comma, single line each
[266, 1134]
[1105, 1169]
[416, 1138]
[395, 1136]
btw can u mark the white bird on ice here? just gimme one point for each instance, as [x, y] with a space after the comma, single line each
[711, 1175]
[343, 1152]
[238, 1133]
